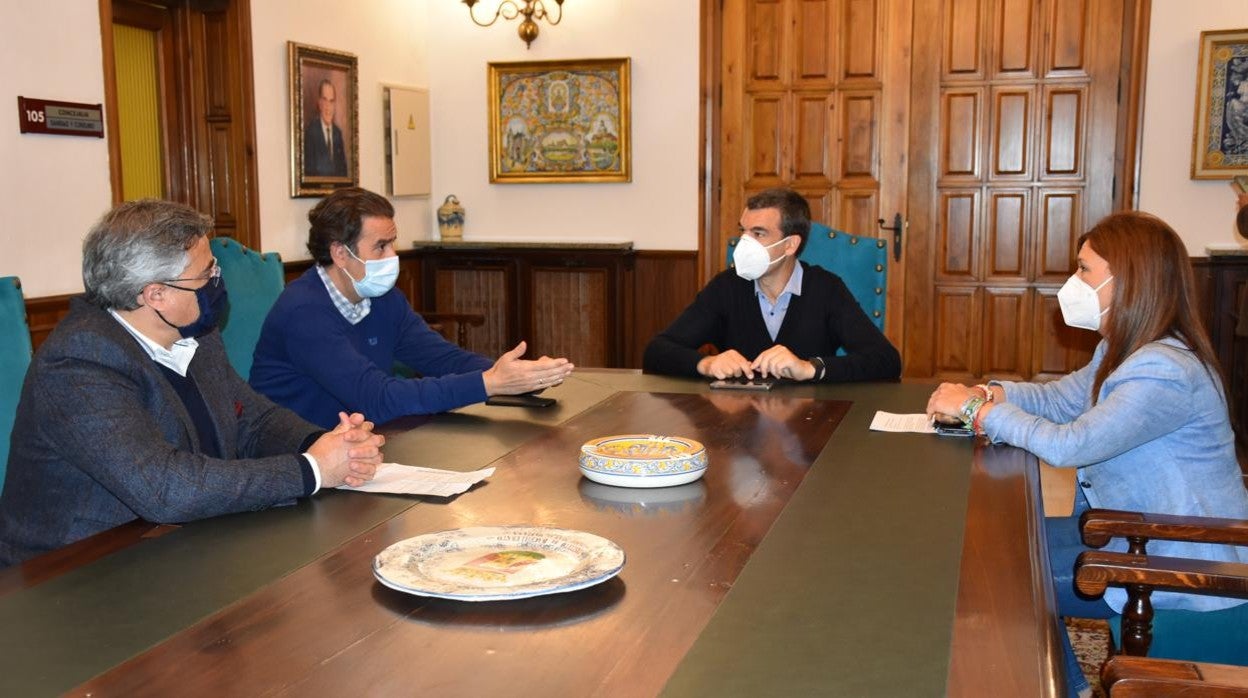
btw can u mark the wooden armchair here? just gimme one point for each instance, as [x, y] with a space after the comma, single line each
[443, 322]
[1129, 677]
[1141, 573]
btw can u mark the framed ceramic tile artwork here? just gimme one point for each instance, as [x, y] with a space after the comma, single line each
[324, 120]
[560, 121]
[1220, 133]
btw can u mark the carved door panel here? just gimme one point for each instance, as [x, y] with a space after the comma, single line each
[814, 95]
[1017, 103]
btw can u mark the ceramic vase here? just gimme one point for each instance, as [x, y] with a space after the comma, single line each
[451, 219]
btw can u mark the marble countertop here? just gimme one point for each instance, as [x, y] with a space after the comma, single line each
[1227, 250]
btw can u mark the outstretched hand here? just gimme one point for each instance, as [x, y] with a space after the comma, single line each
[512, 375]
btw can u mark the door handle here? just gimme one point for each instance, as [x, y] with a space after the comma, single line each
[896, 227]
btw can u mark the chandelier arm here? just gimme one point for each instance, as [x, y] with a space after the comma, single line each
[540, 12]
[503, 7]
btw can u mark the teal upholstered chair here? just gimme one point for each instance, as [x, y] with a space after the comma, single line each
[254, 281]
[1215, 636]
[14, 359]
[861, 262]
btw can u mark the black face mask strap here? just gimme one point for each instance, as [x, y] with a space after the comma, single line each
[162, 319]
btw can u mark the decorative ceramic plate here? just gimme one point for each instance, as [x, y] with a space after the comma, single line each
[643, 460]
[495, 563]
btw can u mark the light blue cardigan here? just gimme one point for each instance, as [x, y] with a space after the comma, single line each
[1158, 440]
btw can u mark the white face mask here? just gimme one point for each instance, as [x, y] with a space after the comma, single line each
[1080, 305]
[379, 275]
[751, 259]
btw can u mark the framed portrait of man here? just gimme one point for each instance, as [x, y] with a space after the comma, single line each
[324, 120]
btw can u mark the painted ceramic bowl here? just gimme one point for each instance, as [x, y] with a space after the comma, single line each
[643, 460]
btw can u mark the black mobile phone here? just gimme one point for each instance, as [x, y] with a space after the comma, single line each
[743, 384]
[953, 429]
[519, 401]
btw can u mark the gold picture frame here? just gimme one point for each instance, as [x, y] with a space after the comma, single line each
[1220, 132]
[560, 121]
[324, 156]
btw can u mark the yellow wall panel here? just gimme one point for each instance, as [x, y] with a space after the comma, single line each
[138, 112]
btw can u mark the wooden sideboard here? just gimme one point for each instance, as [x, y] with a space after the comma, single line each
[1224, 276]
[564, 299]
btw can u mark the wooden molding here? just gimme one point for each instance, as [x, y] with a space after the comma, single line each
[110, 100]
[1132, 77]
[710, 38]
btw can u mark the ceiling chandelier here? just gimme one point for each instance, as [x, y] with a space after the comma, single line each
[511, 9]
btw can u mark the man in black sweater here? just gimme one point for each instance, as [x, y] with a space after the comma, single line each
[773, 315]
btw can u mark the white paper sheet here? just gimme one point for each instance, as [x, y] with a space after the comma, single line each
[395, 478]
[903, 423]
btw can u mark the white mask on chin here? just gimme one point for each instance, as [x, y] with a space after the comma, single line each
[751, 259]
[1080, 305]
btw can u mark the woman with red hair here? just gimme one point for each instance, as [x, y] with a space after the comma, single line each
[1145, 423]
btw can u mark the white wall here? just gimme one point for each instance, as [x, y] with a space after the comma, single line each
[1202, 211]
[659, 208]
[389, 40]
[52, 188]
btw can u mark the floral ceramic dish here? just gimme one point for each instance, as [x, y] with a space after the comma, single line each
[643, 460]
[496, 563]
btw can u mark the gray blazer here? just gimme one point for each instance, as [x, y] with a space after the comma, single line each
[101, 438]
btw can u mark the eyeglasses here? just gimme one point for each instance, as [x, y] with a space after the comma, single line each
[213, 277]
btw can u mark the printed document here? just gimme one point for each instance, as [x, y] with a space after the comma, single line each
[394, 478]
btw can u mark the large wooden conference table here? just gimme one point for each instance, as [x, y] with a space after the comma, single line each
[815, 558]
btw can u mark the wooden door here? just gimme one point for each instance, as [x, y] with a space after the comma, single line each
[991, 125]
[1014, 115]
[814, 97]
[207, 107]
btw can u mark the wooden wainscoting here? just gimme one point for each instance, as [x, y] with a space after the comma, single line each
[574, 307]
[665, 282]
[42, 314]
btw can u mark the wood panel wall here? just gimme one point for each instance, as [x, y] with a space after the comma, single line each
[568, 306]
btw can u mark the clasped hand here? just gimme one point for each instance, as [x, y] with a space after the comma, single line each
[776, 362]
[512, 375]
[350, 453]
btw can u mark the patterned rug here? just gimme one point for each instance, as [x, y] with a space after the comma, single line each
[1093, 643]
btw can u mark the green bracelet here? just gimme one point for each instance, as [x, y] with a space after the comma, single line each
[969, 408]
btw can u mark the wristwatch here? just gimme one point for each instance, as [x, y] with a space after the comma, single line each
[821, 369]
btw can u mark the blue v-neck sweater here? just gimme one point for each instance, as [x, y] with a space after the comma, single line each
[311, 360]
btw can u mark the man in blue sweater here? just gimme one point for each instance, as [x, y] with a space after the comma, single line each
[773, 315]
[333, 336]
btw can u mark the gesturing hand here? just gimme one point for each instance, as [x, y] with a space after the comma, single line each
[512, 375]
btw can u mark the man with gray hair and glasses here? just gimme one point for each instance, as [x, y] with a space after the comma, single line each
[130, 409]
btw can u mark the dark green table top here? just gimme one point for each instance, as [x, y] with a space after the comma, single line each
[852, 592]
